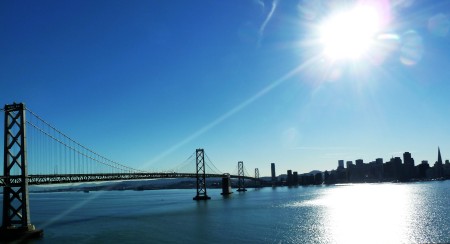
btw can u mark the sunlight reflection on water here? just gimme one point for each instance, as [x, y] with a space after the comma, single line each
[371, 213]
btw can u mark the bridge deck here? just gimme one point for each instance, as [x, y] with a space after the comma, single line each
[79, 178]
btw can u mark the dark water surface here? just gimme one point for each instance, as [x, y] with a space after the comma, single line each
[358, 213]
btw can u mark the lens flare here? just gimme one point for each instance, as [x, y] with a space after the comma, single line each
[349, 34]
[412, 49]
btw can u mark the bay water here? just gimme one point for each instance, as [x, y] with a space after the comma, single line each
[353, 213]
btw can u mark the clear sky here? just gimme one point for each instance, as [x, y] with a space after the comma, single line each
[147, 82]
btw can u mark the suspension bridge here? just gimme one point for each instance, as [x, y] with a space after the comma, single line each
[37, 153]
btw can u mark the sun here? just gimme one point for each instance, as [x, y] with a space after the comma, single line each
[349, 34]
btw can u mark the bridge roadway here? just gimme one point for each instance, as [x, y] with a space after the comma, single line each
[78, 178]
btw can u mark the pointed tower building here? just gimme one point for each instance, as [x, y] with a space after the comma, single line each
[439, 157]
[438, 166]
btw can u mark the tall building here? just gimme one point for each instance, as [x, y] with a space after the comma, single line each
[340, 164]
[397, 162]
[359, 162]
[423, 168]
[349, 171]
[407, 159]
[438, 166]
[349, 164]
[409, 170]
[439, 156]
[274, 178]
[295, 177]
[290, 179]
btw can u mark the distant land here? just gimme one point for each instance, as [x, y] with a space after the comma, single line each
[139, 185]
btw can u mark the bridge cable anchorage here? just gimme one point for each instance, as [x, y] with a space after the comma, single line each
[97, 157]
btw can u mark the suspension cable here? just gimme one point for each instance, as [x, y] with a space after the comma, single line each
[111, 162]
[210, 161]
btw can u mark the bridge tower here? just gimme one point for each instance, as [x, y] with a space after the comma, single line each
[201, 175]
[257, 177]
[16, 222]
[241, 182]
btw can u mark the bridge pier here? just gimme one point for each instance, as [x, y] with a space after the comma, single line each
[226, 185]
[16, 224]
[20, 233]
[201, 176]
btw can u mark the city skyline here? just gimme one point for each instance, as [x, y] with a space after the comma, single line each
[146, 83]
[405, 159]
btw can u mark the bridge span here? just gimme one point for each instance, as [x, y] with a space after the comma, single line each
[78, 163]
[81, 178]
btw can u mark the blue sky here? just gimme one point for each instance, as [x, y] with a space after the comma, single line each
[147, 82]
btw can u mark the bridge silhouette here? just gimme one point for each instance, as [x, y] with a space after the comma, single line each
[37, 153]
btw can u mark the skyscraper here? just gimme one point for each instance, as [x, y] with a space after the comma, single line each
[439, 156]
[340, 164]
[438, 166]
[359, 162]
[407, 158]
[408, 166]
[290, 179]
[295, 177]
[274, 178]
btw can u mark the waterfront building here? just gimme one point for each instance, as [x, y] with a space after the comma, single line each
[379, 161]
[327, 177]
[397, 168]
[359, 162]
[392, 169]
[274, 178]
[438, 166]
[289, 178]
[408, 167]
[422, 169]
[340, 164]
[339, 175]
[295, 178]
[350, 166]
[318, 178]
[447, 169]
[359, 171]
[375, 171]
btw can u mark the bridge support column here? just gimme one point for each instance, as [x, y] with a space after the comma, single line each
[257, 182]
[201, 177]
[226, 185]
[241, 181]
[16, 222]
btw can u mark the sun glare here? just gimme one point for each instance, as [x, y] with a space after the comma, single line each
[349, 34]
